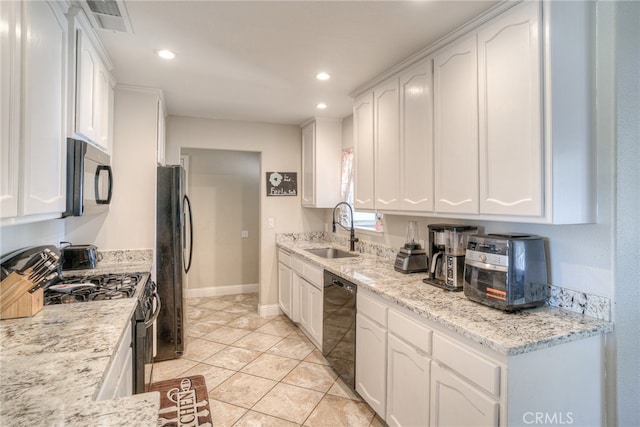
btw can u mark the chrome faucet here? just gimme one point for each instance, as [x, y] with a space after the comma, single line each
[352, 234]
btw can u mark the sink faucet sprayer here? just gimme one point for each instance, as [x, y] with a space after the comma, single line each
[352, 234]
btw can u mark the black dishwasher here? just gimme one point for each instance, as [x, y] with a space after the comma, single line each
[339, 326]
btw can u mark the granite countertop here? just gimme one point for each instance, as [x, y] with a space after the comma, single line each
[52, 364]
[506, 333]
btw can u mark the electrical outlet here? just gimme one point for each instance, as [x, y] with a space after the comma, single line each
[244, 234]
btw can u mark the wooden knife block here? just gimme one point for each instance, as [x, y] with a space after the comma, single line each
[15, 299]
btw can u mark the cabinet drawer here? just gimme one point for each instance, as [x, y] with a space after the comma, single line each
[284, 258]
[470, 365]
[371, 308]
[411, 331]
[309, 271]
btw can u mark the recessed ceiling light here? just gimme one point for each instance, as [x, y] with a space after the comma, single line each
[166, 54]
[321, 106]
[323, 76]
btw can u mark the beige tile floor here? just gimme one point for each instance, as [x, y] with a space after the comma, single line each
[261, 371]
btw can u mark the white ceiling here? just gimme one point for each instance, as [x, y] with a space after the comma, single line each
[256, 60]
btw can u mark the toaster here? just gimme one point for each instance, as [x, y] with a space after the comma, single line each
[506, 271]
[80, 257]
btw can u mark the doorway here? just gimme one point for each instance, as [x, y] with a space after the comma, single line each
[224, 188]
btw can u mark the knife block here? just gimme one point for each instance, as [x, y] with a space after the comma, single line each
[15, 299]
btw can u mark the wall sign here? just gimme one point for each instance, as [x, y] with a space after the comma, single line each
[282, 183]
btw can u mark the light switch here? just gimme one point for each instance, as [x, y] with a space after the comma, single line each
[271, 222]
[244, 234]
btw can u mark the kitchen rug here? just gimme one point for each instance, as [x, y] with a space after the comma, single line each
[184, 402]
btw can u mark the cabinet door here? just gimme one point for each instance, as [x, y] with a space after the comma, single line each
[416, 137]
[296, 297]
[102, 106]
[315, 319]
[371, 363]
[43, 122]
[311, 311]
[87, 63]
[308, 165]
[511, 179]
[456, 128]
[454, 402]
[387, 145]
[363, 141]
[284, 289]
[9, 108]
[305, 303]
[407, 385]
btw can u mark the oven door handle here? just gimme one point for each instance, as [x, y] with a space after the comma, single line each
[154, 316]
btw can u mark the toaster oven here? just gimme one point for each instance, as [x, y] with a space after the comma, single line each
[506, 271]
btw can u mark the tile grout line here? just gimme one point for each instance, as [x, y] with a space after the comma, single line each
[248, 327]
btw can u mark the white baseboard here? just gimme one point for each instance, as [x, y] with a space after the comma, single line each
[265, 310]
[215, 291]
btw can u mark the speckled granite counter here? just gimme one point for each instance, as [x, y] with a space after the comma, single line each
[119, 261]
[506, 333]
[52, 364]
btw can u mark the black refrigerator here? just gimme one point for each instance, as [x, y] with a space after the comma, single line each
[174, 244]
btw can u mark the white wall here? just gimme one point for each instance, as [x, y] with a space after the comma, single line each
[130, 222]
[224, 190]
[279, 148]
[624, 58]
[39, 233]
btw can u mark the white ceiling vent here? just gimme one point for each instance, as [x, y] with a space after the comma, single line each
[109, 15]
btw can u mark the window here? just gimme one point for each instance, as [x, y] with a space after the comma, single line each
[364, 220]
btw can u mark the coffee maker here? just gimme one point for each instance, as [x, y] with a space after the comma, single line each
[446, 249]
[411, 258]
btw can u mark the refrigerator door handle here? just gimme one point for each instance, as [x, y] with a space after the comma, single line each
[186, 208]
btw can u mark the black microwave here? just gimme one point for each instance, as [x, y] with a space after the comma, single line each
[89, 179]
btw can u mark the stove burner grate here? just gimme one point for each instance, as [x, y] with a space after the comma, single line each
[93, 288]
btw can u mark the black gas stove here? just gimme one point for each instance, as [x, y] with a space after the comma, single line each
[92, 288]
[113, 287]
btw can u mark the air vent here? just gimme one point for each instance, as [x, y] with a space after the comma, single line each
[109, 15]
[104, 7]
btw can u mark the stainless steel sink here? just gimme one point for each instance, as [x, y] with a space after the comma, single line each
[331, 253]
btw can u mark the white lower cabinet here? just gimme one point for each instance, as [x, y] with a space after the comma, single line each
[300, 294]
[118, 381]
[285, 283]
[407, 384]
[311, 311]
[455, 402]
[415, 372]
[371, 362]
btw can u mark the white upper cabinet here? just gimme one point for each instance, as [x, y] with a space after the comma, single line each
[34, 76]
[416, 137]
[308, 164]
[393, 129]
[87, 64]
[386, 99]
[9, 108]
[321, 163]
[456, 128]
[161, 132]
[512, 122]
[44, 119]
[510, 127]
[364, 154]
[93, 89]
